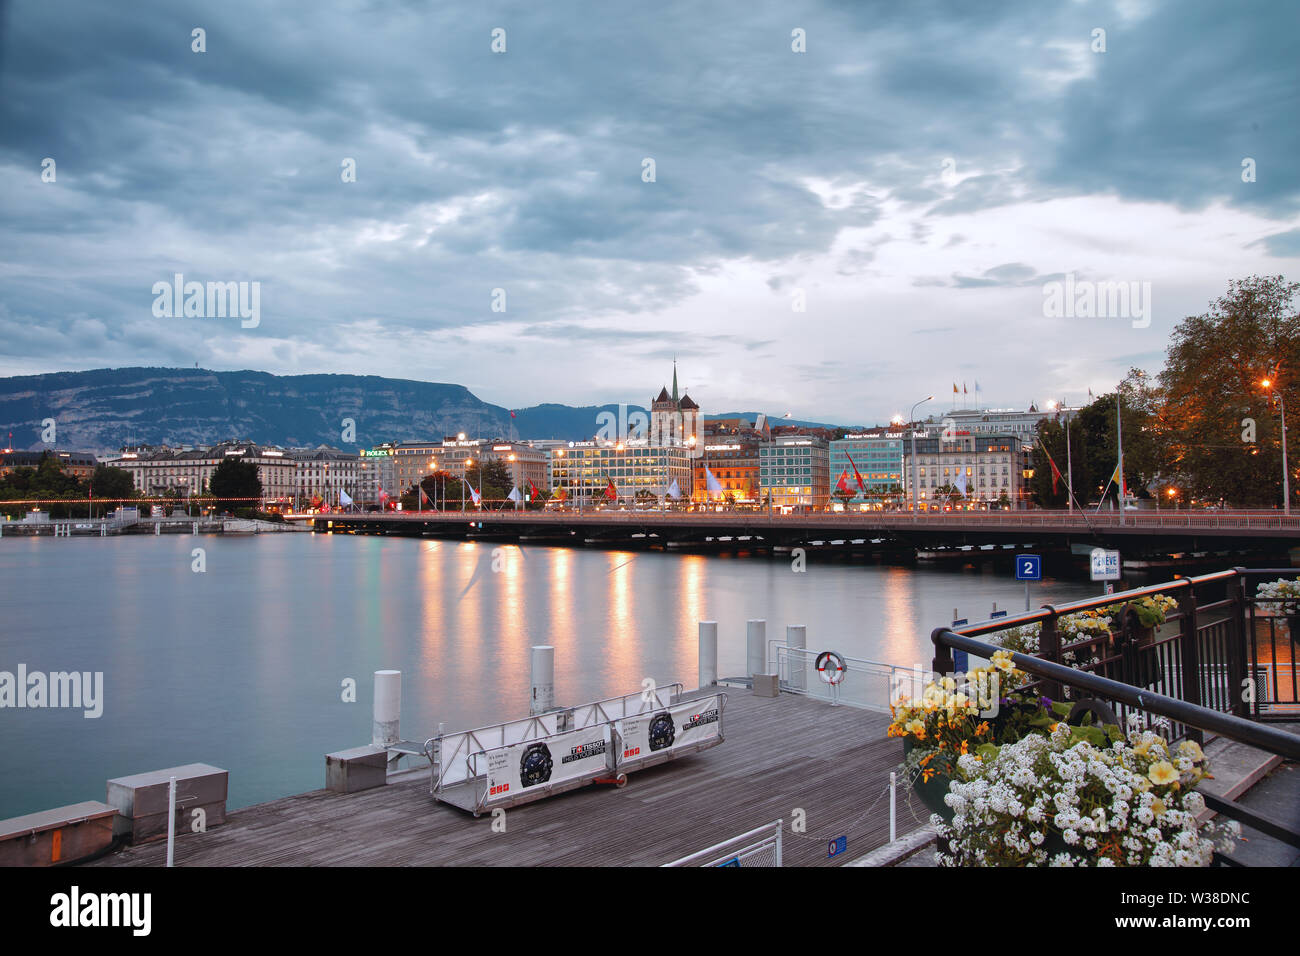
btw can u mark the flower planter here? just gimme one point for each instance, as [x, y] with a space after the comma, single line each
[931, 792]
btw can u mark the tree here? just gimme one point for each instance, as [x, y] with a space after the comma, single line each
[493, 480]
[112, 483]
[437, 486]
[235, 479]
[1212, 393]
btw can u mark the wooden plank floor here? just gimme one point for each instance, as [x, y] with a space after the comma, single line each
[779, 754]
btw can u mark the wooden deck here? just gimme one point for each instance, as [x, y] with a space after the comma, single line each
[779, 754]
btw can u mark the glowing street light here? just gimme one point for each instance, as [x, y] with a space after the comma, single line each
[911, 417]
[1286, 475]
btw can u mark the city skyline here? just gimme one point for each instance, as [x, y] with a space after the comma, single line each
[922, 188]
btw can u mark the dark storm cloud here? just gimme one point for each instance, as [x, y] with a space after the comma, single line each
[523, 171]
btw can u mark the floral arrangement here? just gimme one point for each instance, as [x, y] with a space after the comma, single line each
[1059, 800]
[1152, 610]
[951, 718]
[1285, 595]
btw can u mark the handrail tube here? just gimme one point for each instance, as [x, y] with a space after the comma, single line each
[1261, 822]
[1234, 728]
[708, 851]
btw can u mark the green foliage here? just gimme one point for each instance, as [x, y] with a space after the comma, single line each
[112, 483]
[235, 479]
[1211, 382]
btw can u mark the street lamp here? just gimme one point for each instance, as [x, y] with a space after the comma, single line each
[1286, 476]
[911, 417]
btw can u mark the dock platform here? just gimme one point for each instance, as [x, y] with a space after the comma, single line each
[780, 754]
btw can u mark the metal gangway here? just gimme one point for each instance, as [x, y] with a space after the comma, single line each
[518, 761]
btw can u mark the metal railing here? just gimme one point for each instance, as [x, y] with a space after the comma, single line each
[1261, 521]
[1216, 649]
[1200, 679]
[870, 685]
[758, 847]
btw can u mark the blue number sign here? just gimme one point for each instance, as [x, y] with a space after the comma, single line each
[1029, 567]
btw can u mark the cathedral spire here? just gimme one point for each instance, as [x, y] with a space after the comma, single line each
[675, 398]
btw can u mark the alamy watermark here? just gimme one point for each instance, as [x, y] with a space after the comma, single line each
[1085, 299]
[215, 300]
[70, 689]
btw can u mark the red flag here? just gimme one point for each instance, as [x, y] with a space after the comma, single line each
[843, 483]
[610, 491]
[857, 477]
[532, 489]
[512, 414]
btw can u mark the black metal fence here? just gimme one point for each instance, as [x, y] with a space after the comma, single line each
[1218, 664]
[1217, 649]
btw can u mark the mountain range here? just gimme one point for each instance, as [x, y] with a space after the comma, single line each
[103, 410]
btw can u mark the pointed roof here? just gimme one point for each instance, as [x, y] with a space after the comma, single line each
[674, 380]
[687, 402]
[663, 395]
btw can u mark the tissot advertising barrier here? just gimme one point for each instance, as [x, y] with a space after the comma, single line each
[668, 729]
[533, 764]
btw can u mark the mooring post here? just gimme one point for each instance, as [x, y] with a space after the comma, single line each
[388, 708]
[756, 647]
[543, 682]
[708, 653]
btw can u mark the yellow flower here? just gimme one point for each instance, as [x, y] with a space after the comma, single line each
[1157, 806]
[1162, 772]
[1190, 748]
[915, 727]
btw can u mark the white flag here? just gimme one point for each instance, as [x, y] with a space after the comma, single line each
[673, 490]
[710, 483]
[472, 493]
[515, 496]
[961, 481]
[344, 499]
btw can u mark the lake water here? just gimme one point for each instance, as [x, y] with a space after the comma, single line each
[241, 666]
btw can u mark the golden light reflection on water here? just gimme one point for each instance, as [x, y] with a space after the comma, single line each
[899, 622]
[624, 630]
[691, 573]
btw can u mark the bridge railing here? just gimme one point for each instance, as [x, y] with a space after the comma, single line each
[1249, 521]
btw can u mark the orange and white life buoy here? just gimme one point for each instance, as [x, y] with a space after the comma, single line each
[830, 667]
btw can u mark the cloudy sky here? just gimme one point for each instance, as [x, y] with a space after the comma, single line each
[913, 180]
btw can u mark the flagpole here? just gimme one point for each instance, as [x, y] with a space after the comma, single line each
[1069, 464]
[1119, 440]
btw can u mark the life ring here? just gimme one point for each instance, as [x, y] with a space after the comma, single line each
[830, 667]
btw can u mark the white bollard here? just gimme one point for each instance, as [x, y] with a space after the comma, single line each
[796, 636]
[388, 708]
[708, 653]
[756, 647]
[543, 696]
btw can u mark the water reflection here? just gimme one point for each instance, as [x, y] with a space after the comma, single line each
[241, 666]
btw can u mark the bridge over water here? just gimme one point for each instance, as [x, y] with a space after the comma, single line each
[1133, 532]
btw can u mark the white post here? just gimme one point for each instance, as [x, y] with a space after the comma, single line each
[893, 806]
[543, 695]
[171, 818]
[756, 647]
[796, 636]
[388, 708]
[708, 653]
